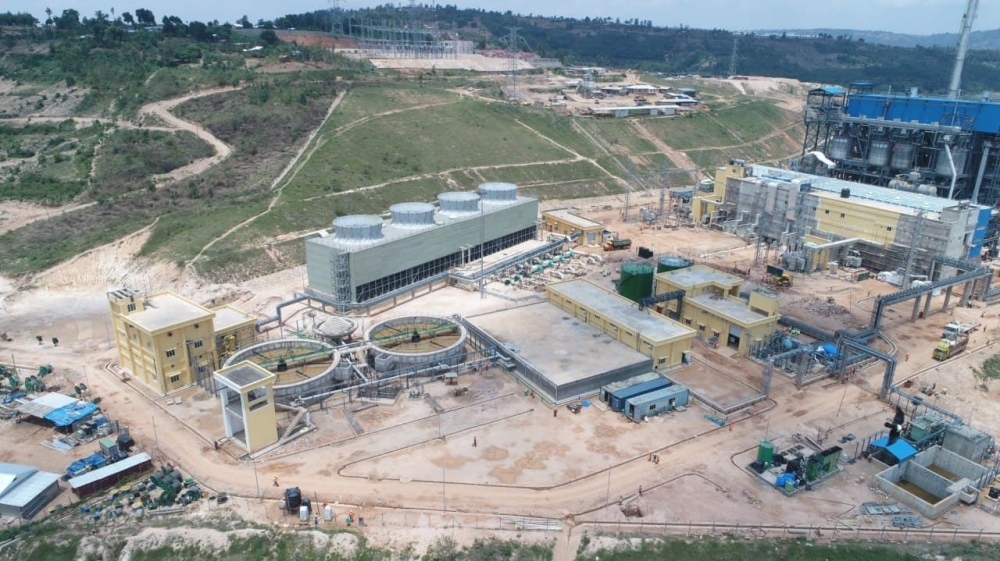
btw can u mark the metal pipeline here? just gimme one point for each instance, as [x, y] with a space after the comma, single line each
[954, 173]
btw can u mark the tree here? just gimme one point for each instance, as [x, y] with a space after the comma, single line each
[70, 19]
[245, 22]
[145, 17]
[127, 18]
[269, 37]
[990, 370]
[48, 16]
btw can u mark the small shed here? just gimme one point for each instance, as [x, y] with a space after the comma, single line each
[25, 490]
[109, 476]
[656, 402]
[619, 397]
[613, 387]
[690, 92]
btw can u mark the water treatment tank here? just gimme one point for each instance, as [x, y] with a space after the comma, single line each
[902, 156]
[672, 263]
[457, 203]
[412, 215]
[765, 453]
[840, 147]
[498, 193]
[943, 168]
[358, 228]
[636, 281]
[878, 152]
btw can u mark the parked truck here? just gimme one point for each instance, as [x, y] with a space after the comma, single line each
[956, 328]
[948, 348]
[617, 243]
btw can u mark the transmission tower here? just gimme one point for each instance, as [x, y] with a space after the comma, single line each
[511, 41]
[732, 59]
[336, 17]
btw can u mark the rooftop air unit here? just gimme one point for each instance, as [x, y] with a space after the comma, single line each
[412, 215]
[458, 203]
[498, 193]
[358, 228]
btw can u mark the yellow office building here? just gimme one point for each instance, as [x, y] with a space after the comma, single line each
[568, 221]
[712, 307]
[168, 342]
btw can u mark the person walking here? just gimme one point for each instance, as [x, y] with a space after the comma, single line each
[276, 481]
[473, 442]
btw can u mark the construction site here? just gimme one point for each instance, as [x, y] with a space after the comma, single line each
[810, 339]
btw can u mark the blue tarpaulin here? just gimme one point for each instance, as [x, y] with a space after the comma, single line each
[66, 416]
[901, 449]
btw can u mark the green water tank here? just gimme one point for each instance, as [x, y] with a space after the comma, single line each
[765, 453]
[789, 486]
[672, 263]
[813, 467]
[636, 281]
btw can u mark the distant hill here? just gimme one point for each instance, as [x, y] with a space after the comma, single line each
[638, 44]
[986, 39]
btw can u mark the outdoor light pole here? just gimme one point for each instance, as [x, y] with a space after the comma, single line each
[256, 482]
[607, 498]
[482, 249]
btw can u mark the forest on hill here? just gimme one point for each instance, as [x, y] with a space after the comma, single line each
[638, 44]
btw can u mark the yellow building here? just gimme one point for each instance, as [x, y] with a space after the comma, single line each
[712, 307]
[567, 221]
[707, 204]
[168, 342]
[246, 392]
[667, 342]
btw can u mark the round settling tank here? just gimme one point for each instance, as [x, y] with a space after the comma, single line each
[357, 228]
[672, 263]
[409, 341]
[636, 281]
[303, 366]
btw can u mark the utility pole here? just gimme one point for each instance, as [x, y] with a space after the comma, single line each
[256, 482]
[513, 48]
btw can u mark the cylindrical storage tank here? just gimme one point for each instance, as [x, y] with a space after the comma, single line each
[303, 513]
[765, 452]
[357, 228]
[878, 152]
[902, 156]
[412, 215]
[840, 147]
[456, 203]
[944, 168]
[672, 263]
[328, 513]
[498, 193]
[925, 189]
[636, 281]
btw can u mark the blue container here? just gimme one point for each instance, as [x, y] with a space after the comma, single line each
[619, 397]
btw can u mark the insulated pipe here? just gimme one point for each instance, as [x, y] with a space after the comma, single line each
[982, 170]
[954, 173]
[971, 7]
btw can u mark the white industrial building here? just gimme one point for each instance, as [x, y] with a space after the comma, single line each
[24, 490]
[367, 256]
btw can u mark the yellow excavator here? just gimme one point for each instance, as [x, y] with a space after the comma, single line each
[782, 280]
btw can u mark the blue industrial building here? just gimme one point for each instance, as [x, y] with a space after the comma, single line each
[656, 402]
[620, 397]
[936, 146]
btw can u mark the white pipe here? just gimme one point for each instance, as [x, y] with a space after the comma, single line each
[954, 174]
[971, 7]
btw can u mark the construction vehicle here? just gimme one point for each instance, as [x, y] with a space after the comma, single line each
[782, 280]
[616, 244]
[950, 347]
[956, 328]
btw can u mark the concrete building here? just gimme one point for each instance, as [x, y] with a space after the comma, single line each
[246, 392]
[817, 219]
[713, 307]
[367, 257]
[567, 221]
[24, 490]
[168, 342]
[667, 342]
[636, 111]
[934, 481]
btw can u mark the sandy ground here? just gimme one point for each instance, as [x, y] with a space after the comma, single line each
[526, 462]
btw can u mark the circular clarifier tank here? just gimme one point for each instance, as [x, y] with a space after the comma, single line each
[407, 341]
[304, 367]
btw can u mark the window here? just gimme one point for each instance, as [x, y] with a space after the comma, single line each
[715, 333]
[651, 407]
[662, 361]
[131, 307]
[170, 333]
[687, 321]
[826, 212]
[171, 353]
[701, 327]
[197, 344]
[888, 228]
[841, 214]
[175, 378]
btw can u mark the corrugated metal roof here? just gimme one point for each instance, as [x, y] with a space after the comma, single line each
[108, 471]
[42, 406]
[667, 392]
[621, 310]
[25, 492]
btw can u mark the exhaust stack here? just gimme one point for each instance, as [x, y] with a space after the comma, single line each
[971, 7]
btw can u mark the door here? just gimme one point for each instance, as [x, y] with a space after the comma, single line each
[735, 334]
